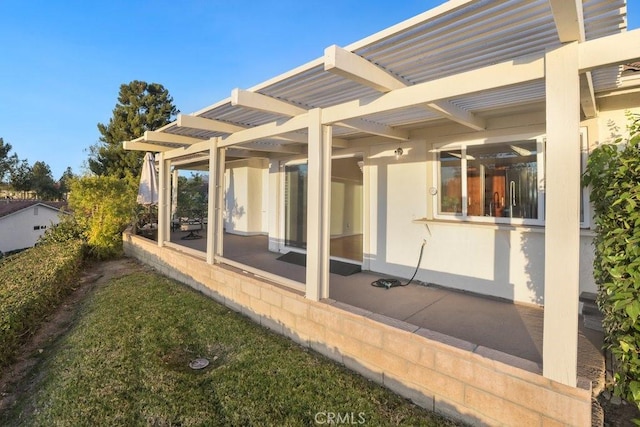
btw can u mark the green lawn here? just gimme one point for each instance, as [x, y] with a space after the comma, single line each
[125, 362]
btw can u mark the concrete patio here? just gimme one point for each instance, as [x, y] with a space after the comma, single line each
[514, 329]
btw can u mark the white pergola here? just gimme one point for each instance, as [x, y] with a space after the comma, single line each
[462, 62]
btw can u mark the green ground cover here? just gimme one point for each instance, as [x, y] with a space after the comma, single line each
[125, 362]
[32, 283]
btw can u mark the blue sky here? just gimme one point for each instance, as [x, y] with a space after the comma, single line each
[62, 62]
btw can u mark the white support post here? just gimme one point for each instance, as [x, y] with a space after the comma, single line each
[163, 196]
[174, 193]
[219, 195]
[211, 201]
[562, 233]
[318, 207]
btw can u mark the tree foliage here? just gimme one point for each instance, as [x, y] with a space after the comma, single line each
[7, 162]
[613, 172]
[42, 182]
[192, 196]
[141, 107]
[103, 206]
[21, 177]
[64, 183]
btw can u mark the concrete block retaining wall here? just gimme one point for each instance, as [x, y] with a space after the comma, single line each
[454, 377]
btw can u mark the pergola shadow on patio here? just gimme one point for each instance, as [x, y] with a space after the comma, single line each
[513, 329]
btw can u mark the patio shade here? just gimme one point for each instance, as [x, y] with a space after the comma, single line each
[148, 190]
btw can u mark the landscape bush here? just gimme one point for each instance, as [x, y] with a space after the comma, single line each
[613, 172]
[102, 206]
[32, 283]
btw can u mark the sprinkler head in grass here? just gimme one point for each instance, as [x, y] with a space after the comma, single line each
[199, 363]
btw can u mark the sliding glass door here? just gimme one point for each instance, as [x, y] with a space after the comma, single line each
[346, 222]
[295, 206]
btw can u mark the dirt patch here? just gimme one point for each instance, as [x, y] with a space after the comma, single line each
[19, 378]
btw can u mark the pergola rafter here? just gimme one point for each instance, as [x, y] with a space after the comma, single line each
[354, 67]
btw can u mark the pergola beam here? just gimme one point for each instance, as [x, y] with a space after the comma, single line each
[616, 49]
[569, 19]
[375, 129]
[265, 131]
[282, 149]
[457, 114]
[211, 125]
[258, 101]
[169, 138]
[203, 145]
[354, 67]
[239, 152]
[143, 146]
[202, 123]
[587, 96]
[519, 70]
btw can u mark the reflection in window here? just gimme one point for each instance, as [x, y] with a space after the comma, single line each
[450, 182]
[501, 180]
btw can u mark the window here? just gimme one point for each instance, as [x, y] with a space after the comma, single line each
[491, 182]
[498, 182]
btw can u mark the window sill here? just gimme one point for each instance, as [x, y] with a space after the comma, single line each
[495, 226]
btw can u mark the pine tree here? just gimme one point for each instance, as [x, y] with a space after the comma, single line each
[141, 106]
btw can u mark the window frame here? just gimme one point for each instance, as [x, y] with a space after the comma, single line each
[540, 140]
[462, 146]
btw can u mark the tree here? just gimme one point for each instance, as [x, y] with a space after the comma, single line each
[141, 106]
[64, 182]
[102, 206]
[21, 177]
[7, 162]
[42, 182]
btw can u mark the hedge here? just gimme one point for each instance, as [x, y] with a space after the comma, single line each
[32, 284]
[613, 172]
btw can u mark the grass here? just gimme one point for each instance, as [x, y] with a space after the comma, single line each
[125, 362]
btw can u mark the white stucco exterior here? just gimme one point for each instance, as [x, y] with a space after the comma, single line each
[501, 260]
[22, 229]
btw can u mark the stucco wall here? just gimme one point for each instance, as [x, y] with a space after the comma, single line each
[244, 196]
[17, 229]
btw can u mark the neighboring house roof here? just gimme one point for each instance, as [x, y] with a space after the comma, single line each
[8, 207]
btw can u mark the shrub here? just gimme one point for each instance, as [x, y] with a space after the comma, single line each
[67, 229]
[32, 283]
[103, 206]
[613, 171]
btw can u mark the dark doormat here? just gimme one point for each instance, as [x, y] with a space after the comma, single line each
[336, 267]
